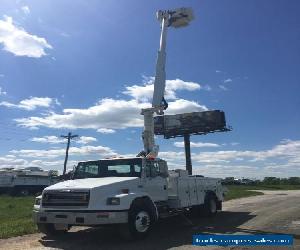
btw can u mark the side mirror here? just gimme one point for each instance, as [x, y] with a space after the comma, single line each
[73, 173]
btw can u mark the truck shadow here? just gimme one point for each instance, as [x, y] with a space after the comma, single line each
[167, 233]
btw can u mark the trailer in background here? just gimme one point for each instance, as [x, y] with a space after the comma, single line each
[26, 181]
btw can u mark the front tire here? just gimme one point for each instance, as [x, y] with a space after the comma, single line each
[140, 222]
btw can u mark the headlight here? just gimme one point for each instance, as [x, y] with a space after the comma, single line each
[113, 201]
[37, 201]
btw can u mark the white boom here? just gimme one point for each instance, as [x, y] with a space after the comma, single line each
[169, 18]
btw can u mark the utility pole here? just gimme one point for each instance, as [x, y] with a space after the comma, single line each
[188, 159]
[68, 137]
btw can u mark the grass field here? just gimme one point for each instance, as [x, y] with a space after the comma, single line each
[16, 216]
[16, 212]
[267, 187]
[235, 192]
[239, 191]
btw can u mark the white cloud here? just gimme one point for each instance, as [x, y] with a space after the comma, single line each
[10, 156]
[19, 42]
[207, 87]
[106, 116]
[11, 162]
[32, 103]
[106, 131]
[25, 10]
[2, 92]
[100, 151]
[197, 145]
[282, 160]
[86, 139]
[223, 87]
[184, 106]
[228, 80]
[52, 139]
[64, 34]
[218, 71]
[109, 114]
[144, 93]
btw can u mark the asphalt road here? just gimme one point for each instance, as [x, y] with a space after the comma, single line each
[274, 212]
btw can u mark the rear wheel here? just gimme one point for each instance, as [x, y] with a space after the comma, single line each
[210, 205]
[50, 229]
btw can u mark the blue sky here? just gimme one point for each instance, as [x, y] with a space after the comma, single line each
[87, 67]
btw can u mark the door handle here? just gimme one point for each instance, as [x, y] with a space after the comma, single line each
[165, 187]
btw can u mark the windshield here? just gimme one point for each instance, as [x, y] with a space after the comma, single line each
[109, 168]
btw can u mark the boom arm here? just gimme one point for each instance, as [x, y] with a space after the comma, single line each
[160, 75]
[177, 18]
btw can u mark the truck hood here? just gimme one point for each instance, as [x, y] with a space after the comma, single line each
[89, 183]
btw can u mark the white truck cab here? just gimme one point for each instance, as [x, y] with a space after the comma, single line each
[129, 192]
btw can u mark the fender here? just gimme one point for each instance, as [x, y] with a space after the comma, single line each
[126, 200]
[210, 192]
[219, 202]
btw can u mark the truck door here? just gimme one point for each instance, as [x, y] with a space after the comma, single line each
[155, 182]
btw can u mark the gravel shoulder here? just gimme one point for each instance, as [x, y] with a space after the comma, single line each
[273, 212]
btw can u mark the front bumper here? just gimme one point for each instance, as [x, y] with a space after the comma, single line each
[86, 218]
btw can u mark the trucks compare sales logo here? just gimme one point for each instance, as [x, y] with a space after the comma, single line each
[243, 240]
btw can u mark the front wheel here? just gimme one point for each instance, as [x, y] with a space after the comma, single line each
[139, 222]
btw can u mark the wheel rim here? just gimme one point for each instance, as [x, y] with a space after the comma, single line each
[142, 221]
[213, 206]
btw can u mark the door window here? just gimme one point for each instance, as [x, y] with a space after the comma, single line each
[152, 169]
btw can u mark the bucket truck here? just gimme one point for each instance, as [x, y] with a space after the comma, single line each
[130, 193]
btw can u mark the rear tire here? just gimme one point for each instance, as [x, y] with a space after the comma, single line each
[210, 205]
[49, 229]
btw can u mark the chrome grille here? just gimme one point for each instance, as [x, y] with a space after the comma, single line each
[66, 198]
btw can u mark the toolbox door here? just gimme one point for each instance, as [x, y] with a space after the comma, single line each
[183, 192]
[193, 191]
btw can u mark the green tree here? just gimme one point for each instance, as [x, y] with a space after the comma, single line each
[294, 180]
[271, 181]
